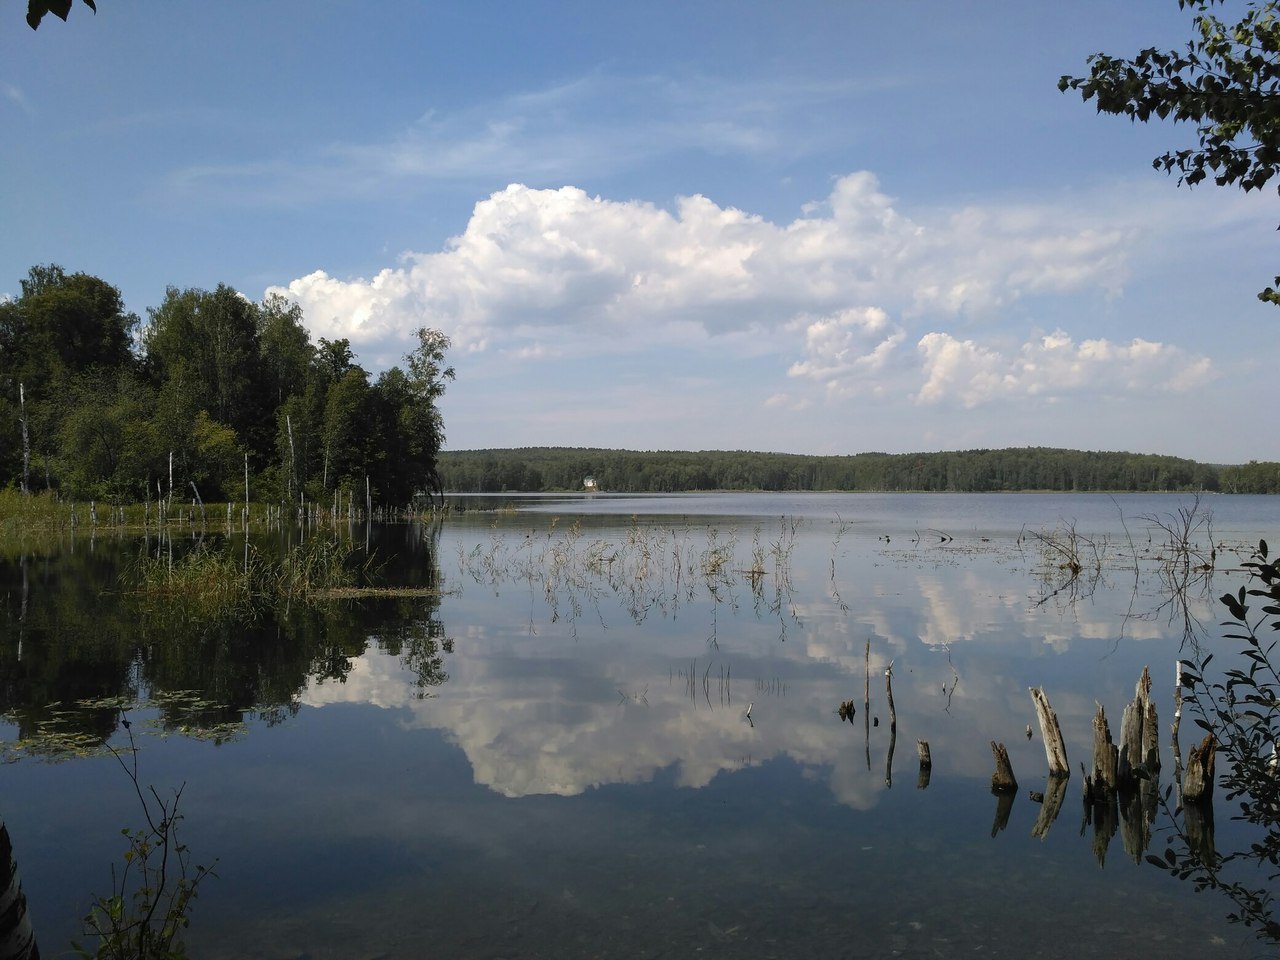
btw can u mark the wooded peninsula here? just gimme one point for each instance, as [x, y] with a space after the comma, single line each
[215, 397]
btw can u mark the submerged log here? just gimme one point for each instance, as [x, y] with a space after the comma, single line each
[1055, 749]
[1197, 779]
[1003, 780]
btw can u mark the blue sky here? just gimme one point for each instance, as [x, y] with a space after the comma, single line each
[814, 227]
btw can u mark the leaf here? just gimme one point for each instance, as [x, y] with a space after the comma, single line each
[1156, 862]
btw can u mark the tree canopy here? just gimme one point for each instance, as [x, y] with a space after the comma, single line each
[536, 469]
[218, 385]
[1226, 82]
[37, 9]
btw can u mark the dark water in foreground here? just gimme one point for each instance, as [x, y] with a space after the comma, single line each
[555, 757]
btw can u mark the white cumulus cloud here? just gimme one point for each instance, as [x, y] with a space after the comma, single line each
[1051, 366]
[534, 268]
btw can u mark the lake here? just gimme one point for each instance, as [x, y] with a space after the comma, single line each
[614, 732]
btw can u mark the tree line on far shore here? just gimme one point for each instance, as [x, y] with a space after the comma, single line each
[212, 392]
[538, 469]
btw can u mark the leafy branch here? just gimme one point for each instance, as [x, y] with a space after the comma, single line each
[151, 896]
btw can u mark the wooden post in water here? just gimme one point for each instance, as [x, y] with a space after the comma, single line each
[1197, 779]
[866, 705]
[1177, 720]
[1139, 746]
[1102, 785]
[893, 724]
[1004, 786]
[1003, 780]
[926, 764]
[1055, 748]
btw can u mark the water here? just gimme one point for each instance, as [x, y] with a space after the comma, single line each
[555, 757]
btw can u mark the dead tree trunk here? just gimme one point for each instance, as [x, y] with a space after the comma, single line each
[1139, 746]
[893, 724]
[1102, 785]
[1177, 720]
[26, 441]
[1197, 779]
[1003, 780]
[1055, 749]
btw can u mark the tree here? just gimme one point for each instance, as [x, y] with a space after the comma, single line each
[426, 383]
[63, 324]
[36, 10]
[1226, 82]
[207, 343]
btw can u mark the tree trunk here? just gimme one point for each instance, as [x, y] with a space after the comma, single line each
[1003, 780]
[26, 441]
[1197, 779]
[1055, 748]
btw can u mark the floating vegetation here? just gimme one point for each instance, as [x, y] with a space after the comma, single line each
[362, 593]
[60, 733]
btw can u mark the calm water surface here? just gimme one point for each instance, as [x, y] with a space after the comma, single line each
[615, 733]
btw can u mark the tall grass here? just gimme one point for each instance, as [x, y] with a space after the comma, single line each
[207, 583]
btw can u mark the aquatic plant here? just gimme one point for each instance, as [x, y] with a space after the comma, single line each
[151, 896]
[210, 581]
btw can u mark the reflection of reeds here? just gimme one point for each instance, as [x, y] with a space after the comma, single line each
[649, 567]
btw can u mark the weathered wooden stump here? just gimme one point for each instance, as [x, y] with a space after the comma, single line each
[1055, 749]
[1139, 736]
[1102, 784]
[922, 749]
[1197, 778]
[1003, 780]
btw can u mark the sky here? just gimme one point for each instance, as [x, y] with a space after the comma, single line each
[808, 227]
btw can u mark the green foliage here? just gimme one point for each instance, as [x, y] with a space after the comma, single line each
[1226, 82]
[219, 378]
[210, 583]
[1241, 710]
[36, 10]
[152, 894]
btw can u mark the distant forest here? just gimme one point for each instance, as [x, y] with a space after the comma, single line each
[538, 469]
